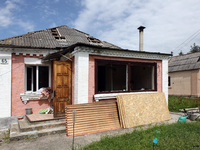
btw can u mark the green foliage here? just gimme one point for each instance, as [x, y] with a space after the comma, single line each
[194, 48]
[177, 102]
[181, 53]
[7, 136]
[172, 136]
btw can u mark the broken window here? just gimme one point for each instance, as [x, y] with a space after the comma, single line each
[37, 77]
[118, 76]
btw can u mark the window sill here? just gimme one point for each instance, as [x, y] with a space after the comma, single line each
[98, 97]
[25, 97]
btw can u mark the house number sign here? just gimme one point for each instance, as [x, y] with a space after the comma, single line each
[4, 61]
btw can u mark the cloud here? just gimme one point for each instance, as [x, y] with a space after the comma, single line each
[27, 26]
[8, 16]
[44, 8]
[168, 23]
[53, 25]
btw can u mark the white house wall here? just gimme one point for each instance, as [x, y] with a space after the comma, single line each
[165, 78]
[81, 77]
[82, 68]
[5, 83]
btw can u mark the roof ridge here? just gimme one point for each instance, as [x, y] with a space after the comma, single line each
[185, 54]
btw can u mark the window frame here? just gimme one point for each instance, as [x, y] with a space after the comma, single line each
[128, 72]
[37, 76]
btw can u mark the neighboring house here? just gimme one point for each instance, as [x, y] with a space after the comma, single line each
[78, 68]
[184, 75]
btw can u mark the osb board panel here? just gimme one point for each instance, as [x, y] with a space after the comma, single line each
[92, 118]
[142, 108]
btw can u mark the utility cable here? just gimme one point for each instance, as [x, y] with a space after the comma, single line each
[174, 50]
[189, 41]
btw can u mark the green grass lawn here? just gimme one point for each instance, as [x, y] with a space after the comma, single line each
[177, 102]
[172, 136]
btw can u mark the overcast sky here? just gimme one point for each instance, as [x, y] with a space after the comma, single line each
[171, 25]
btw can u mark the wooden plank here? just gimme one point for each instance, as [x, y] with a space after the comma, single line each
[92, 118]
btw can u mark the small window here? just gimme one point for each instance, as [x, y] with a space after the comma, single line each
[169, 81]
[37, 77]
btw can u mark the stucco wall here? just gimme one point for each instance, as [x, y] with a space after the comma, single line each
[5, 85]
[165, 78]
[18, 69]
[91, 81]
[81, 77]
[184, 83]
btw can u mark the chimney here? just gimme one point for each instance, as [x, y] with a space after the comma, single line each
[141, 28]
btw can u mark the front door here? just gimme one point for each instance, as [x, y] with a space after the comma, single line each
[62, 87]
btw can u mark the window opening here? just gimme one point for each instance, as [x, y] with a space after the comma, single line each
[111, 77]
[117, 76]
[141, 77]
[169, 81]
[43, 76]
[29, 78]
[36, 77]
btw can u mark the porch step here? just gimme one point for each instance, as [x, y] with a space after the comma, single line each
[26, 126]
[25, 130]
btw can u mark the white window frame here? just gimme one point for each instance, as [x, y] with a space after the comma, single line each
[35, 62]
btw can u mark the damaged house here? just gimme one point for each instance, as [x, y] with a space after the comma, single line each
[76, 66]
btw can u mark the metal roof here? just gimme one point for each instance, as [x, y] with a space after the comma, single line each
[65, 35]
[184, 62]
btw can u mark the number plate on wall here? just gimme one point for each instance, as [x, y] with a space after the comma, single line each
[3, 61]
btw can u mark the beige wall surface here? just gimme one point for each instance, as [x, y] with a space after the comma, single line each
[184, 83]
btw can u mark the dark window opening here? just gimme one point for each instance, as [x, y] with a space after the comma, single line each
[118, 76]
[111, 77]
[141, 77]
[32, 77]
[29, 78]
[169, 81]
[43, 76]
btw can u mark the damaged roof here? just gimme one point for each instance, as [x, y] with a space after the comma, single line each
[184, 62]
[57, 37]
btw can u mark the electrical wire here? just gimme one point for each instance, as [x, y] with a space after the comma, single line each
[192, 36]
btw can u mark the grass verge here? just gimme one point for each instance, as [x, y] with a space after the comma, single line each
[177, 102]
[172, 136]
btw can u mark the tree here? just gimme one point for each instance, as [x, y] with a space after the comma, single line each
[194, 48]
[181, 53]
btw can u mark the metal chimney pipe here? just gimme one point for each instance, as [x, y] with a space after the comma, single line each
[141, 28]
